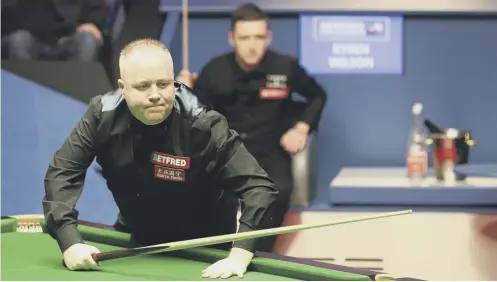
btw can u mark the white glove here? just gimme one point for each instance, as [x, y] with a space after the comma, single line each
[235, 264]
[78, 257]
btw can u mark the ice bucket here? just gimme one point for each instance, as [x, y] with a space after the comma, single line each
[450, 148]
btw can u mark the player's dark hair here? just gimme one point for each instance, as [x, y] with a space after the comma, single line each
[248, 12]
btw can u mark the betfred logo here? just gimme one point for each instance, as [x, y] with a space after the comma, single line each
[170, 160]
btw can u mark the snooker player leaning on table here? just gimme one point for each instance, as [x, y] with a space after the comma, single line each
[166, 160]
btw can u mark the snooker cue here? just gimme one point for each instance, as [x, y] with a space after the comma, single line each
[185, 34]
[194, 243]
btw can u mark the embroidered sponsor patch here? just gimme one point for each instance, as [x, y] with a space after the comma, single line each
[170, 174]
[170, 160]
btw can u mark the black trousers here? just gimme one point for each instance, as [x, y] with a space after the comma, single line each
[277, 163]
[223, 222]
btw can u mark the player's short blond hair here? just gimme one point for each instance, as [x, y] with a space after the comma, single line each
[141, 43]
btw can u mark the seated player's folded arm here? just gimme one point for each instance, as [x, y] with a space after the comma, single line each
[235, 169]
[65, 177]
[307, 86]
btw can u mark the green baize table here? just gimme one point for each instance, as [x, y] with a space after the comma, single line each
[28, 255]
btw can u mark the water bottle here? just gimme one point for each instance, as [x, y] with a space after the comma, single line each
[417, 148]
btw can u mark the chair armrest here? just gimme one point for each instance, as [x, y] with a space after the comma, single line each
[304, 173]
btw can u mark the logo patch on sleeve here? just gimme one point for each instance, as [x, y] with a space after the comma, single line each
[169, 174]
[170, 160]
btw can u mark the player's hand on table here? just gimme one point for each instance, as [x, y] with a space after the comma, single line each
[235, 264]
[78, 257]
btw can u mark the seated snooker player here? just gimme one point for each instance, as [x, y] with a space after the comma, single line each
[167, 161]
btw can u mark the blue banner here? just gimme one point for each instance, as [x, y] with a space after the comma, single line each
[351, 44]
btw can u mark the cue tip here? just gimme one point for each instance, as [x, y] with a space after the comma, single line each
[384, 277]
